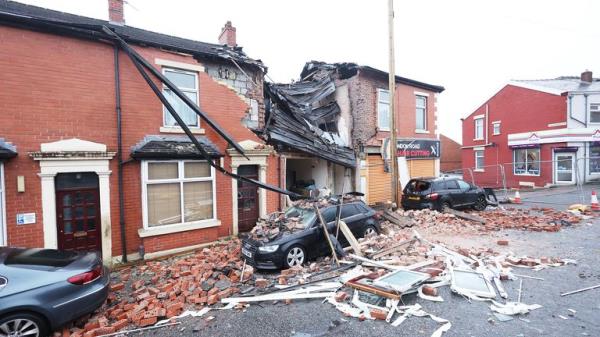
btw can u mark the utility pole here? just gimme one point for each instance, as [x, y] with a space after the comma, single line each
[392, 90]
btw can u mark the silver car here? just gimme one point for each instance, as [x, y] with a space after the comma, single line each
[43, 289]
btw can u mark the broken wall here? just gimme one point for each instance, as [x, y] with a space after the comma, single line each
[248, 86]
[345, 122]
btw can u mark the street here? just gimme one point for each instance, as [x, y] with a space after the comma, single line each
[304, 318]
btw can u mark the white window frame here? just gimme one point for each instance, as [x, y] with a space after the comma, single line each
[185, 90]
[589, 160]
[475, 121]
[590, 111]
[494, 125]
[527, 173]
[3, 229]
[379, 126]
[424, 113]
[181, 180]
[476, 152]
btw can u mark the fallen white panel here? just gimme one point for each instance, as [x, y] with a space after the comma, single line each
[513, 308]
[276, 297]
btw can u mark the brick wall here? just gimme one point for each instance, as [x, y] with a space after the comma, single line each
[451, 156]
[54, 87]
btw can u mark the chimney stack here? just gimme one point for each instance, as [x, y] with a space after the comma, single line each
[116, 15]
[228, 35]
[586, 76]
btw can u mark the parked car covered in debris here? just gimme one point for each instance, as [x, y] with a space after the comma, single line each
[441, 193]
[296, 236]
[43, 289]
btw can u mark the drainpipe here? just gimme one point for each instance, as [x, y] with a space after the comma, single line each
[487, 126]
[585, 109]
[120, 156]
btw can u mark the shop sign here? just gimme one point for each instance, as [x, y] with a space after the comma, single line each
[418, 148]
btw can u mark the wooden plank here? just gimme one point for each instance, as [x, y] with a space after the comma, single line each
[326, 233]
[465, 216]
[391, 249]
[350, 237]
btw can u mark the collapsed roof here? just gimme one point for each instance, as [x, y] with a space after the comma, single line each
[303, 116]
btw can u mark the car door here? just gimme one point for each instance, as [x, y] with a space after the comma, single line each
[454, 192]
[467, 195]
[328, 214]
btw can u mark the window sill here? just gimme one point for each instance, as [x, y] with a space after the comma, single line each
[478, 170]
[176, 129]
[495, 134]
[526, 175]
[421, 131]
[475, 139]
[168, 229]
[384, 130]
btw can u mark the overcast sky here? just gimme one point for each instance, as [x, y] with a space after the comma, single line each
[471, 47]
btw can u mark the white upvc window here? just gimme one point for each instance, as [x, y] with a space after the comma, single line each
[594, 112]
[186, 82]
[177, 192]
[383, 110]
[479, 160]
[478, 129]
[526, 162]
[421, 110]
[594, 158]
[496, 128]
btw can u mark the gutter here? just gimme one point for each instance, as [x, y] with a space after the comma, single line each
[120, 155]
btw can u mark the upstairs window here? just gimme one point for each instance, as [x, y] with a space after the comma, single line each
[383, 110]
[187, 82]
[595, 113]
[421, 104]
[479, 128]
[496, 128]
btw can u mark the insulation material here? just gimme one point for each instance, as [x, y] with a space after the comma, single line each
[415, 310]
[513, 308]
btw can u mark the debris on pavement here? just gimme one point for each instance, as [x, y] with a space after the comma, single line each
[580, 290]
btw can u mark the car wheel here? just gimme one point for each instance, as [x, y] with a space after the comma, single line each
[370, 230]
[295, 256]
[480, 204]
[23, 324]
[445, 206]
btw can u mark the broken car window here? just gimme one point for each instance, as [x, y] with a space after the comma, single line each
[304, 216]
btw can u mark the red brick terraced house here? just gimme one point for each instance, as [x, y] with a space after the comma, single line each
[69, 98]
[535, 133]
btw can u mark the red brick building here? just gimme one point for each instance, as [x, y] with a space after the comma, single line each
[451, 155]
[535, 133]
[59, 167]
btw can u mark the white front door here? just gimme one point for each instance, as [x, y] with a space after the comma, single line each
[2, 214]
[564, 168]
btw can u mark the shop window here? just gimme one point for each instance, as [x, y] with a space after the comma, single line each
[595, 158]
[383, 110]
[526, 162]
[479, 161]
[178, 192]
[186, 82]
[479, 128]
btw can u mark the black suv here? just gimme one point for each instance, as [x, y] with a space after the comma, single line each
[293, 248]
[440, 193]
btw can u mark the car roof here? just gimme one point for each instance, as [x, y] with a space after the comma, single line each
[436, 179]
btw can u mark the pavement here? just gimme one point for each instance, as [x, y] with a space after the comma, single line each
[311, 318]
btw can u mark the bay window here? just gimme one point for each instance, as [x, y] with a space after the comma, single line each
[178, 192]
[526, 161]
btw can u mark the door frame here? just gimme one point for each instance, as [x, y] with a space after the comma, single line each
[258, 203]
[3, 229]
[98, 216]
[555, 171]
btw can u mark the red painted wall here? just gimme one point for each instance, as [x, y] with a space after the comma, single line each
[519, 110]
[54, 87]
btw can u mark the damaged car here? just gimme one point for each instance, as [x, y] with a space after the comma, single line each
[296, 236]
[443, 193]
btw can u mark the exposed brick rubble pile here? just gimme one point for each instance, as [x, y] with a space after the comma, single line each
[538, 219]
[143, 294]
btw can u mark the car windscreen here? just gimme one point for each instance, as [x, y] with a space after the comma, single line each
[41, 257]
[304, 216]
[417, 186]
